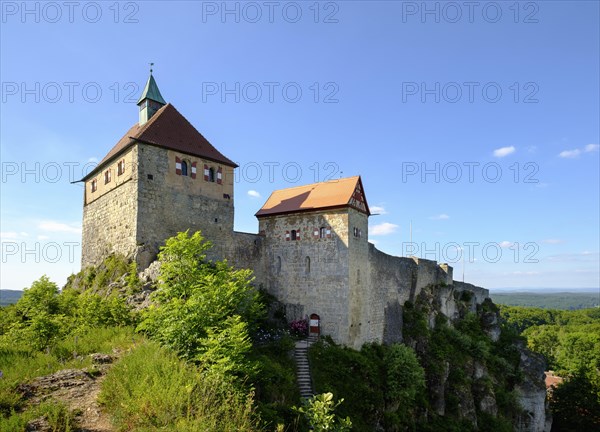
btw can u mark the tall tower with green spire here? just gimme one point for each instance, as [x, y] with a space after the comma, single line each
[151, 100]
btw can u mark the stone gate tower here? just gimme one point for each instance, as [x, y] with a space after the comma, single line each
[162, 177]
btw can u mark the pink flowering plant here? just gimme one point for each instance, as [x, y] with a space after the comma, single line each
[299, 328]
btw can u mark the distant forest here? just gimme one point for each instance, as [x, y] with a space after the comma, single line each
[8, 297]
[555, 300]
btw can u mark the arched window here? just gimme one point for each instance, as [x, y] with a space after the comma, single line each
[211, 175]
[322, 232]
[294, 235]
[184, 168]
[307, 265]
[278, 265]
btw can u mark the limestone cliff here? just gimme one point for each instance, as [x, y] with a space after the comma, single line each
[477, 374]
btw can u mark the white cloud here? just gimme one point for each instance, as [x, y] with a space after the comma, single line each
[9, 235]
[54, 226]
[505, 244]
[570, 154]
[553, 241]
[253, 194]
[531, 149]
[379, 210]
[504, 151]
[93, 159]
[384, 228]
[442, 216]
[43, 237]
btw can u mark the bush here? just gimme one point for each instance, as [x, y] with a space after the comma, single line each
[299, 328]
[203, 310]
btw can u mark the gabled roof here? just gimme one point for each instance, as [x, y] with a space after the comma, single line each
[170, 130]
[152, 92]
[317, 196]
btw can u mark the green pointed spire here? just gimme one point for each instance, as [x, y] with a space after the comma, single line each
[151, 100]
[151, 91]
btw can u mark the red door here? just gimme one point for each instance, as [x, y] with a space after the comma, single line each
[314, 326]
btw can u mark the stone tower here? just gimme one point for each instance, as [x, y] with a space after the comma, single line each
[160, 178]
[316, 246]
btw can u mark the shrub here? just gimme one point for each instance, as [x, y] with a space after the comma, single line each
[299, 328]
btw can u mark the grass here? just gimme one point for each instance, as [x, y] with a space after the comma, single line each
[20, 364]
[56, 414]
[150, 389]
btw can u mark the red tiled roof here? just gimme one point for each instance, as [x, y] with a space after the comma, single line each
[167, 129]
[552, 380]
[316, 196]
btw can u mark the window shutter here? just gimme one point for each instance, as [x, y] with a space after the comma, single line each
[298, 234]
[220, 176]
[194, 169]
[205, 172]
[177, 166]
[328, 232]
[316, 233]
[287, 235]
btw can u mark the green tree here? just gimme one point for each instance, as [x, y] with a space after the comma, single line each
[575, 404]
[405, 378]
[202, 310]
[319, 411]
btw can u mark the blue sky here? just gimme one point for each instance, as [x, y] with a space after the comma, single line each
[475, 122]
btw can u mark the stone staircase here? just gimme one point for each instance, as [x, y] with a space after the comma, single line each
[303, 368]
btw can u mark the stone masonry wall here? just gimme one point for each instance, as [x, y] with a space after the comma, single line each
[110, 214]
[310, 275]
[170, 203]
[247, 251]
[360, 330]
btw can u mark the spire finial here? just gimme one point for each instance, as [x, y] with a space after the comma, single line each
[151, 64]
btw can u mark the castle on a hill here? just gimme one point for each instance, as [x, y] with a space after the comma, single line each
[312, 251]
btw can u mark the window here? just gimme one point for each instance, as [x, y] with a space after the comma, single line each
[307, 265]
[184, 168]
[357, 232]
[94, 185]
[278, 265]
[211, 175]
[294, 235]
[322, 232]
[106, 176]
[121, 167]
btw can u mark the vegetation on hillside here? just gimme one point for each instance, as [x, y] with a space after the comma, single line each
[214, 354]
[570, 341]
[204, 356]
